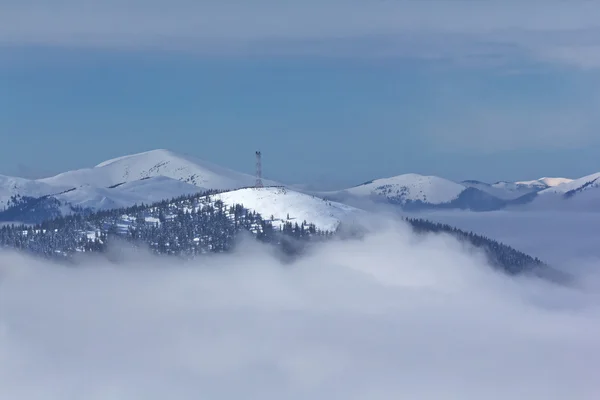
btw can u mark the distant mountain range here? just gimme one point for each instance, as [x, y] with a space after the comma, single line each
[413, 192]
[156, 175]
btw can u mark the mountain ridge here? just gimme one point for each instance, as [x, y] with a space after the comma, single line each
[154, 163]
[412, 192]
[151, 175]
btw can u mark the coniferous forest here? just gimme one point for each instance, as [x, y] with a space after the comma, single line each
[192, 225]
[185, 226]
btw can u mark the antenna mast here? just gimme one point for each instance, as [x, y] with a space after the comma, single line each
[259, 182]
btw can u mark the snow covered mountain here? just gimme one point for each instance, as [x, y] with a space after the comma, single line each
[287, 205]
[544, 183]
[581, 194]
[12, 186]
[158, 175]
[146, 191]
[502, 190]
[121, 182]
[415, 192]
[280, 204]
[161, 174]
[571, 187]
[152, 164]
[514, 190]
[410, 188]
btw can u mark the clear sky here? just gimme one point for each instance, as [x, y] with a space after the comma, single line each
[333, 92]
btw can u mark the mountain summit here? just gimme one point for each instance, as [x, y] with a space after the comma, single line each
[125, 181]
[152, 164]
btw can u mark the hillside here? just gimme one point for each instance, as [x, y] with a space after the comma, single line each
[11, 187]
[544, 183]
[121, 182]
[506, 191]
[282, 204]
[285, 205]
[413, 192]
[577, 185]
[581, 194]
[202, 223]
[186, 226]
[147, 190]
[408, 188]
[514, 190]
[152, 164]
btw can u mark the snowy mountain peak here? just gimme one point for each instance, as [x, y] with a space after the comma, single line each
[155, 163]
[12, 186]
[545, 182]
[156, 154]
[282, 203]
[103, 186]
[580, 184]
[581, 194]
[411, 187]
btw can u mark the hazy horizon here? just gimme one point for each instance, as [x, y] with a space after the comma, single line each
[339, 93]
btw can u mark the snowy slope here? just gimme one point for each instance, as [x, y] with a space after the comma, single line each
[121, 182]
[544, 182]
[128, 194]
[581, 184]
[411, 187]
[151, 164]
[513, 190]
[11, 186]
[501, 190]
[581, 194]
[279, 202]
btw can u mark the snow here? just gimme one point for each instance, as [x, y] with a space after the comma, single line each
[575, 184]
[514, 186]
[145, 191]
[152, 164]
[11, 186]
[512, 190]
[545, 182]
[412, 187]
[579, 195]
[161, 174]
[133, 179]
[501, 190]
[279, 202]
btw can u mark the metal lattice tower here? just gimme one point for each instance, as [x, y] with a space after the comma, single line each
[259, 182]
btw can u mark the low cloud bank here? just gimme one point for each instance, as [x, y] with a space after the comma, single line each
[391, 316]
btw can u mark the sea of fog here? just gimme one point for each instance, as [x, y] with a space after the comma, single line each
[555, 237]
[393, 316]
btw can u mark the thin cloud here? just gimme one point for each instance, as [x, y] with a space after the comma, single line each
[428, 29]
[393, 316]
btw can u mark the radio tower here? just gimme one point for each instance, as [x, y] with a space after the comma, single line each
[259, 182]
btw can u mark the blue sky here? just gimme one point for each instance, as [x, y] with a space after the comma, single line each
[332, 92]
